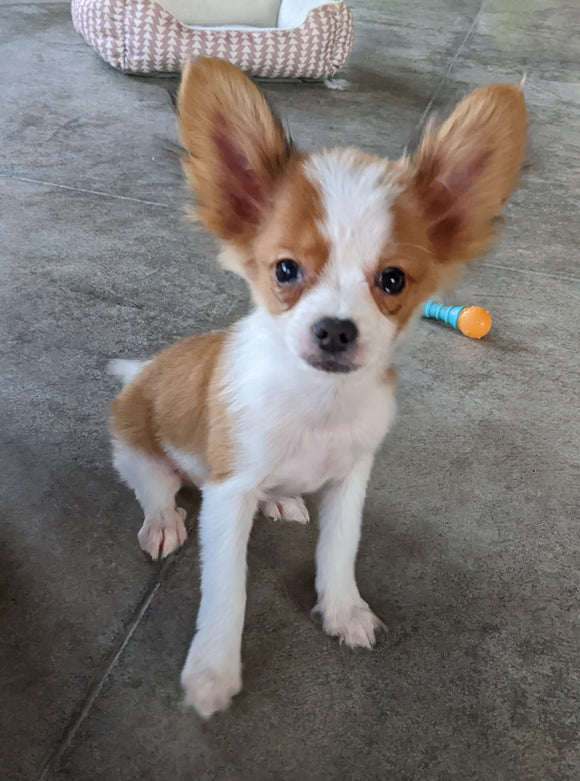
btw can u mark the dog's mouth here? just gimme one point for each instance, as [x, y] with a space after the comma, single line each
[331, 365]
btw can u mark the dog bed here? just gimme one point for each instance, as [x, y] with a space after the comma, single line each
[310, 39]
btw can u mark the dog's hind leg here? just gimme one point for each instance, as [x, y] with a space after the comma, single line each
[155, 484]
[285, 509]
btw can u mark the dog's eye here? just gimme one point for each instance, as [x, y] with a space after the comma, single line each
[391, 280]
[287, 271]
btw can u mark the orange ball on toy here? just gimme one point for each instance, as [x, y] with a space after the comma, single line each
[474, 322]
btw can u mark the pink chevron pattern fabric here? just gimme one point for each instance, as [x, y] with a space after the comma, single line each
[140, 36]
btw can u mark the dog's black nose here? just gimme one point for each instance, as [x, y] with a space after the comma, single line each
[334, 335]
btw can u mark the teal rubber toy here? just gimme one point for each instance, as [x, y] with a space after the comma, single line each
[473, 321]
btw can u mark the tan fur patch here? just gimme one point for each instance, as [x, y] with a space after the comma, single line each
[291, 232]
[391, 378]
[176, 400]
[408, 250]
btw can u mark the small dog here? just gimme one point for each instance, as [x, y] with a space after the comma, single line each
[339, 248]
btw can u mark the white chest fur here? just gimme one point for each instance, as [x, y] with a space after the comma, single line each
[307, 458]
[296, 428]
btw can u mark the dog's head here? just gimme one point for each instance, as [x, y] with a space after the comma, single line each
[341, 247]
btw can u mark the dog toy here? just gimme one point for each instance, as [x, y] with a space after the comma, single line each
[473, 321]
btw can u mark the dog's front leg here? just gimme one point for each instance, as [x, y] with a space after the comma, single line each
[344, 612]
[212, 672]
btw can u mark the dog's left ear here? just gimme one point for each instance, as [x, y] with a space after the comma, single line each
[236, 148]
[464, 171]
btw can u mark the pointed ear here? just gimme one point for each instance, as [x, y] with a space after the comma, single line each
[236, 149]
[464, 171]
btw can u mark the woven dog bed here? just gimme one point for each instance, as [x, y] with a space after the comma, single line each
[141, 36]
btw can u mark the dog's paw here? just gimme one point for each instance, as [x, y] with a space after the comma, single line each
[355, 625]
[208, 687]
[285, 509]
[163, 533]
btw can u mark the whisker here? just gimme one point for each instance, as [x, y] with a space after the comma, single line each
[416, 246]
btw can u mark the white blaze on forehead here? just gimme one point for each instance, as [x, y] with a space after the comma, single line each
[357, 196]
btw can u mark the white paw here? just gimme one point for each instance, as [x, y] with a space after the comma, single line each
[285, 509]
[163, 533]
[355, 625]
[209, 687]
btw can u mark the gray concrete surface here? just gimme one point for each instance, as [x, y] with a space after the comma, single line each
[471, 546]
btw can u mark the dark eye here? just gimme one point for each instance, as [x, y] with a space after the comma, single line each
[287, 271]
[391, 280]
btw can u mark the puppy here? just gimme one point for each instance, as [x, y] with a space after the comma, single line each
[339, 248]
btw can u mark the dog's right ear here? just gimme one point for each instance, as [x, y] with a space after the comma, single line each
[235, 148]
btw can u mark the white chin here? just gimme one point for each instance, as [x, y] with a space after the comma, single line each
[331, 364]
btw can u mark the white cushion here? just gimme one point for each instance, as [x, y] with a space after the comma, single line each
[214, 13]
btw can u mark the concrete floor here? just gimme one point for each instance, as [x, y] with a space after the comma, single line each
[471, 543]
